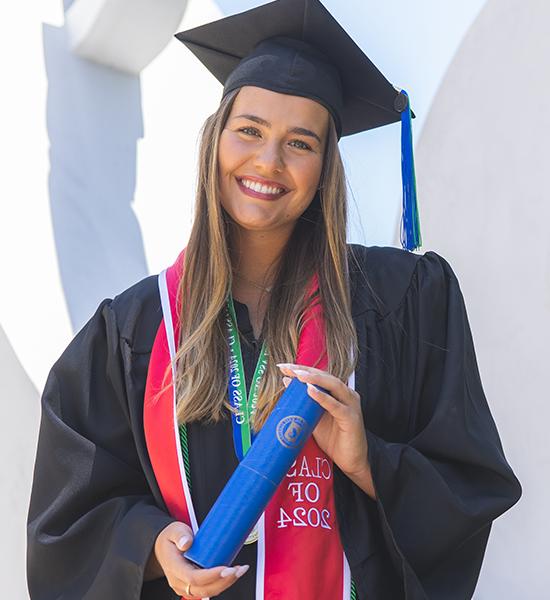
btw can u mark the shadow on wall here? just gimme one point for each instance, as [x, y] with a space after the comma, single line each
[17, 448]
[94, 120]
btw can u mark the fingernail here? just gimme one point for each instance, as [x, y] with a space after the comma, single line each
[286, 381]
[242, 570]
[285, 365]
[228, 571]
[301, 373]
[182, 541]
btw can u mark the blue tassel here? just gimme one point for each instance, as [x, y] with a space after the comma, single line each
[411, 238]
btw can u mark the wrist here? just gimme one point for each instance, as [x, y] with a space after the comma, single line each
[153, 570]
[363, 479]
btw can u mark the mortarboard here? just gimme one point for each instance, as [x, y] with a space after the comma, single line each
[297, 47]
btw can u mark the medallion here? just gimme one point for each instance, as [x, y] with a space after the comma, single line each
[253, 535]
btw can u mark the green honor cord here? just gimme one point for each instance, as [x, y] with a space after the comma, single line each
[244, 403]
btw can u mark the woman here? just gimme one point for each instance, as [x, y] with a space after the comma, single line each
[394, 494]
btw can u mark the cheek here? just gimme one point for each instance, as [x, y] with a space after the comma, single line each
[231, 153]
[309, 175]
[224, 155]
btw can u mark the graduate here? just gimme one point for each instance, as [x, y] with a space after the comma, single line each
[149, 410]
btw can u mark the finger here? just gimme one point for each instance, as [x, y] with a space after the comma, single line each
[226, 578]
[295, 370]
[219, 587]
[293, 366]
[337, 409]
[184, 542]
[181, 535]
[287, 371]
[181, 571]
[337, 388]
[198, 577]
[286, 381]
[290, 368]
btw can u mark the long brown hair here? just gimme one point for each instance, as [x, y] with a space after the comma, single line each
[317, 245]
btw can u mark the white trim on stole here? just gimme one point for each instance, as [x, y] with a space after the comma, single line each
[260, 560]
[169, 325]
[347, 571]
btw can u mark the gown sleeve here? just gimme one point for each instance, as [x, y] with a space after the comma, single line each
[92, 519]
[441, 477]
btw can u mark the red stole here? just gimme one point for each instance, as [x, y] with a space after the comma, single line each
[300, 555]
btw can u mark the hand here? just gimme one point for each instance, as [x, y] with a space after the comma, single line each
[340, 433]
[167, 559]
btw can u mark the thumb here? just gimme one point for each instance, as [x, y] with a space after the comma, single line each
[181, 535]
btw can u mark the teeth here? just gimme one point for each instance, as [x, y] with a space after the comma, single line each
[262, 189]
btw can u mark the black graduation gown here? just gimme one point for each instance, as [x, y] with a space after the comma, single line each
[437, 462]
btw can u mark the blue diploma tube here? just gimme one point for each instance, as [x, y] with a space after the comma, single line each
[255, 480]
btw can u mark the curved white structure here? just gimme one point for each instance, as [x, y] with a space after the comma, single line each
[124, 34]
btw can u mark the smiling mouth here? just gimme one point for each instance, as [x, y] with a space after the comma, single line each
[260, 190]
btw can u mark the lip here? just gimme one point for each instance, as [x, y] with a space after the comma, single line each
[259, 195]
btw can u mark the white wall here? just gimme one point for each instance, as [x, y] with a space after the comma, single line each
[17, 448]
[482, 167]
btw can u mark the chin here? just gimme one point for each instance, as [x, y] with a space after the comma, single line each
[251, 220]
[254, 225]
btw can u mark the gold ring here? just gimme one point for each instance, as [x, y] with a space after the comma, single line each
[188, 590]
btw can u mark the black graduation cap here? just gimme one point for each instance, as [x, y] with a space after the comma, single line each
[297, 47]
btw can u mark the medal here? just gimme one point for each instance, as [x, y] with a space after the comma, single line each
[252, 536]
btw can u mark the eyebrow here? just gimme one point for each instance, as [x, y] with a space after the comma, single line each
[298, 130]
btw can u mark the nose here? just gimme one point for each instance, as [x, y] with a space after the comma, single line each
[269, 158]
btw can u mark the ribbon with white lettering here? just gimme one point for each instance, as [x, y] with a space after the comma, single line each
[244, 403]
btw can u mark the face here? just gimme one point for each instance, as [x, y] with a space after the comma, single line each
[270, 158]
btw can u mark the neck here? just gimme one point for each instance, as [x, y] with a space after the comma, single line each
[255, 255]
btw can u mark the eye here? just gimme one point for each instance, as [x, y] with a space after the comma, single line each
[249, 131]
[301, 145]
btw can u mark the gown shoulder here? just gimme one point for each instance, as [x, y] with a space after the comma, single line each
[381, 276]
[138, 313]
